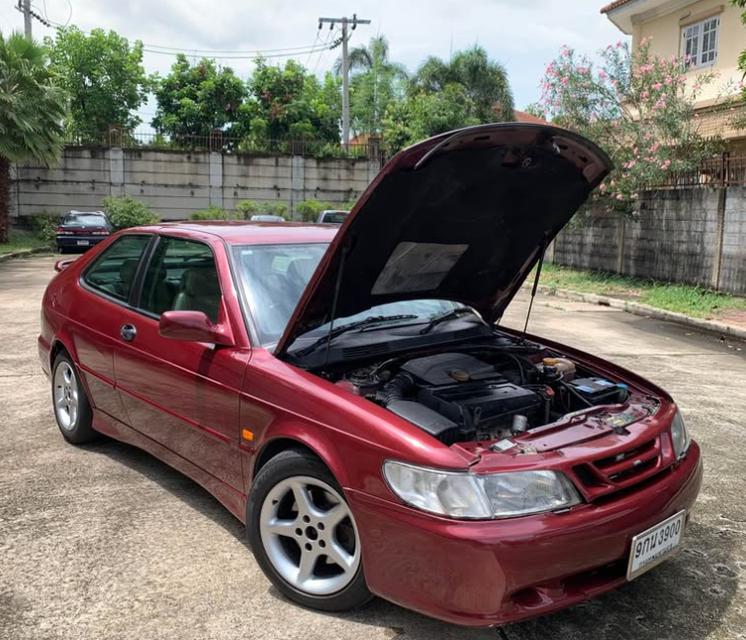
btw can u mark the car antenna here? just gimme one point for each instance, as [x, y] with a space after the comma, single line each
[543, 249]
[337, 286]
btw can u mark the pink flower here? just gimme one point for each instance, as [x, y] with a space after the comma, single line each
[657, 86]
[602, 75]
[665, 164]
[669, 80]
[645, 95]
[655, 148]
[619, 196]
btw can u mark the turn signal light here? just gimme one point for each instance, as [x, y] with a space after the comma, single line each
[246, 434]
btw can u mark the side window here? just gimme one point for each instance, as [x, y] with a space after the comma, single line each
[181, 276]
[113, 272]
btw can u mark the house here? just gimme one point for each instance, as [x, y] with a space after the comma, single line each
[711, 35]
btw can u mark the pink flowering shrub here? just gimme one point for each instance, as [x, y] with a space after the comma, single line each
[637, 107]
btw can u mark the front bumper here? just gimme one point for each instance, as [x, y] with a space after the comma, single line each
[496, 572]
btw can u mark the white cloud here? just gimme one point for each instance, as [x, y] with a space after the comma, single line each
[523, 35]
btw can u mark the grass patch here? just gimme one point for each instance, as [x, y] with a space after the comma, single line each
[21, 239]
[691, 300]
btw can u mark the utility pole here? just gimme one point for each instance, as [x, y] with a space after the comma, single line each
[347, 24]
[27, 19]
[24, 6]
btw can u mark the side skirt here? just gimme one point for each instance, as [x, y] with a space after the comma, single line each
[230, 498]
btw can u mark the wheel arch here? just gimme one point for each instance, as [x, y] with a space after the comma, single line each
[302, 438]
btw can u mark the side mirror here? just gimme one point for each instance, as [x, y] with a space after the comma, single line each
[193, 326]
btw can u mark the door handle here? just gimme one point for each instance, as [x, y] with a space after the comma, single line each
[128, 332]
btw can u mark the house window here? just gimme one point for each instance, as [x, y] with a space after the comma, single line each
[699, 42]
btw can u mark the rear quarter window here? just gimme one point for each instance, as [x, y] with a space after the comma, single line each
[113, 272]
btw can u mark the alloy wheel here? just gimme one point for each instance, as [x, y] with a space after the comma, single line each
[309, 535]
[65, 396]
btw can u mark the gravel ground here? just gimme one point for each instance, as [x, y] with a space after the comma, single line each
[105, 541]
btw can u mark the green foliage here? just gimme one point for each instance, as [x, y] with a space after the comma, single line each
[309, 210]
[32, 111]
[691, 300]
[469, 89]
[483, 81]
[376, 83]
[45, 226]
[197, 100]
[127, 212]
[246, 208]
[639, 108]
[288, 103]
[32, 105]
[104, 78]
[212, 213]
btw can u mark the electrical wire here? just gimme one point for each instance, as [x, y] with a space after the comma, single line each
[192, 52]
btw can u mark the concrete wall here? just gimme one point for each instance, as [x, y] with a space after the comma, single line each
[176, 183]
[695, 236]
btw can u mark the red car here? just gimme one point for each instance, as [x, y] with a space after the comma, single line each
[349, 395]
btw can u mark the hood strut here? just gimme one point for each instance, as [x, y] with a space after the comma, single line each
[543, 248]
[337, 286]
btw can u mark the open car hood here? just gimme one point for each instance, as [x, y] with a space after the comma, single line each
[463, 216]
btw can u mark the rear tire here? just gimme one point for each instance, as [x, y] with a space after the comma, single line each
[303, 534]
[72, 411]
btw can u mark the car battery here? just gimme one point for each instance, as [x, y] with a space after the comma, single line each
[599, 390]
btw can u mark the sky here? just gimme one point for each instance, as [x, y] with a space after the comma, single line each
[524, 35]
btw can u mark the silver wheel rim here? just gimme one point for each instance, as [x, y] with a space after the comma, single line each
[309, 535]
[65, 396]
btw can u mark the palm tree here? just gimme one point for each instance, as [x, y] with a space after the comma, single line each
[485, 82]
[32, 112]
[376, 81]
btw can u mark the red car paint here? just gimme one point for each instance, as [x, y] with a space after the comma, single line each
[188, 402]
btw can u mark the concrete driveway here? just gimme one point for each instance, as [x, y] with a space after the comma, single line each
[106, 542]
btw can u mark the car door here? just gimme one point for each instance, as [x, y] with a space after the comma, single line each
[184, 395]
[95, 318]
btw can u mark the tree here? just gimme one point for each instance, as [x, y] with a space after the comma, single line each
[376, 83]
[104, 78]
[638, 107]
[197, 100]
[484, 81]
[32, 111]
[287, 103]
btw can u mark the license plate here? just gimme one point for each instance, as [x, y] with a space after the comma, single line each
[83, 243]
[653, 546]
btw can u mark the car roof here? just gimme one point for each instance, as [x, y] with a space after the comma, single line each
[247, 232]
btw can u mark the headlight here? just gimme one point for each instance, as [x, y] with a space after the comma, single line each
[679, 436]
[470, 496]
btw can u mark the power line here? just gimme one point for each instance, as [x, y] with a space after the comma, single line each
[290, 54]
[230, 51]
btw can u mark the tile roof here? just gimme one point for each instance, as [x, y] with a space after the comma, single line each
[614, 5]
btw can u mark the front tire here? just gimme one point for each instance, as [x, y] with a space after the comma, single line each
[303, 534]
[72, 411]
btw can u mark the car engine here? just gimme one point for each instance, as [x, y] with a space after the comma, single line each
[459, 397]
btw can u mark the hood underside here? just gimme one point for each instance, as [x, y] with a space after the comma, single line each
[463, 216]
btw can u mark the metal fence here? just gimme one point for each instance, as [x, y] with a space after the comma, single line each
[217, 141]
[725, 170]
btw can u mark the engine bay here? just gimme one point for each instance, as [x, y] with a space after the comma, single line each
[482, 392]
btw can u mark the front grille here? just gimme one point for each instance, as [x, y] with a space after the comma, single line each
[619, 471]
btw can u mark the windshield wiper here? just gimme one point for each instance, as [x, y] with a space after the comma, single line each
[360, 324]
[444, 317]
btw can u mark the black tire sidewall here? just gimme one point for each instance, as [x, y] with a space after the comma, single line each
[285, 465]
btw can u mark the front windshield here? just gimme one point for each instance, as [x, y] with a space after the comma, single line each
[273, 277]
